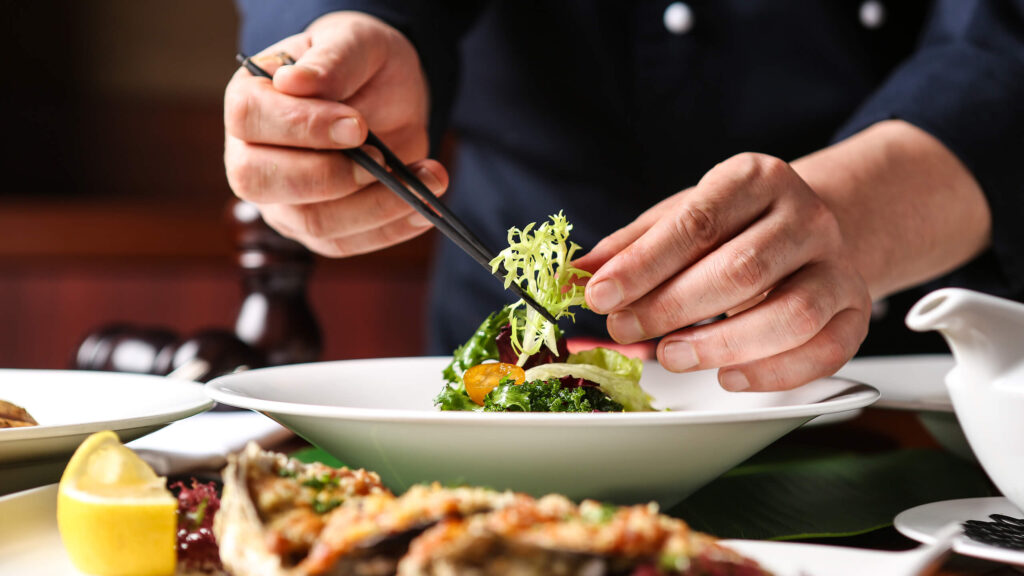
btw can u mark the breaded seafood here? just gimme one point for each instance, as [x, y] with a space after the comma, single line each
[381, 527]
[273, 508]
[14, 416]
[552, 536]
[279, 517]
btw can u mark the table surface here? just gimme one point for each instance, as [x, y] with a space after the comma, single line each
[872, 432]
[878, 430]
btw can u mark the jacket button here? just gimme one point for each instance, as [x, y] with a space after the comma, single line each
[678, 18]
[872, 14]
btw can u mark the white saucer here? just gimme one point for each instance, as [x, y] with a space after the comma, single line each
[922, 523]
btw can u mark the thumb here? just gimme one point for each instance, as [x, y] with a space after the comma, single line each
[341, 58]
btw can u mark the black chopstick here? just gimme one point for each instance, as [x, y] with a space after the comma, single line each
[426, 203]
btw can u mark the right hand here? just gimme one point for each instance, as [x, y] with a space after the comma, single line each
[352, 73]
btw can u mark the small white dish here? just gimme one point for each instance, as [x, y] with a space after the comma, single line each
[69, 405]
[923, 522]
[379, 414]
[800, 559]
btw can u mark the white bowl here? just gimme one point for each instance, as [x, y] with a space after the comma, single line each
[378, 414]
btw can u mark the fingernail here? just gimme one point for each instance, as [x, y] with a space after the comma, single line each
[625, 327]
[428, 179]
[604, 295]
[361, 176]
[680, 355]
[347, 132]
[733, 381]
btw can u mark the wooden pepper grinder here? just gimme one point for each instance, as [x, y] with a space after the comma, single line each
[275, 323]
[275, 317]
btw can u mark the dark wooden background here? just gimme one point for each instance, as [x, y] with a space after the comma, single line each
[112, 207]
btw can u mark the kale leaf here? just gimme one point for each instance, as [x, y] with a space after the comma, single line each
[548, 396]
[454, 397]
[480, 347]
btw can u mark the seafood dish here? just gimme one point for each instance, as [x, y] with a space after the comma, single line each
[14, 416]
[281, 517]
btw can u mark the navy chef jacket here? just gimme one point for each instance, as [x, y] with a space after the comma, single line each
[601, 108]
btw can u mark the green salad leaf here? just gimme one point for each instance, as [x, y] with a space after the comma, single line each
[537, 259]
[454, 397]
[482, 346]
[547, 396]
[616, 375]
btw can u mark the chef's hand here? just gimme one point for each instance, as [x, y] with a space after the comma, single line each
[352, 73]
[752, 241]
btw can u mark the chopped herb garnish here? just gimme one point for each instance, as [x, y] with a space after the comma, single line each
[325, 506]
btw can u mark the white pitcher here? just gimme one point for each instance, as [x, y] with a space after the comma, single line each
[986, 335]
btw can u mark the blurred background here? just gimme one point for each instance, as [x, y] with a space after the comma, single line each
[114, 204]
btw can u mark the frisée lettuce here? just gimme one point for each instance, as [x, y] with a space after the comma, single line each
[518, 340]
[538, 260]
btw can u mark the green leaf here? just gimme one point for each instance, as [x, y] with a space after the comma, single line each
[828, 496]
[617, 375]
[481, 346]
[454, 398]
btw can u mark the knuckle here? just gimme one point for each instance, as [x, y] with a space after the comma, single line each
[391, 235]
[381, 207]
[321, 175]
[659, 315]
[245, 179]
[314, 224]
[802, 315]
[337, 249]
[833, 352]
[771, 167]
[729, 348]
[238, 105]
[334, 248]
[744, 272]
[301, 124]
[698, 226]
[751, 166]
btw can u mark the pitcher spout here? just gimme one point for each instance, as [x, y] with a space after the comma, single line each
[985, 333]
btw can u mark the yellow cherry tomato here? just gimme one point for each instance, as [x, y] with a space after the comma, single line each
[483, 378]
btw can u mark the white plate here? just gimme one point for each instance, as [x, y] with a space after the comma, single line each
[915, 382]
[32, 545]
[800, 559]
[379, 414]
[922, 523]
[70, 405]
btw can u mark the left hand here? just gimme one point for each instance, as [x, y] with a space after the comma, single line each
[752, 240]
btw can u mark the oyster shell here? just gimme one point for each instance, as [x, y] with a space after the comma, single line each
[273, 509]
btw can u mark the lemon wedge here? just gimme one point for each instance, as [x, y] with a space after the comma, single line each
[115, 515]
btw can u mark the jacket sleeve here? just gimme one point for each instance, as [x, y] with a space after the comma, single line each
[964, 84]
[433, 26]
